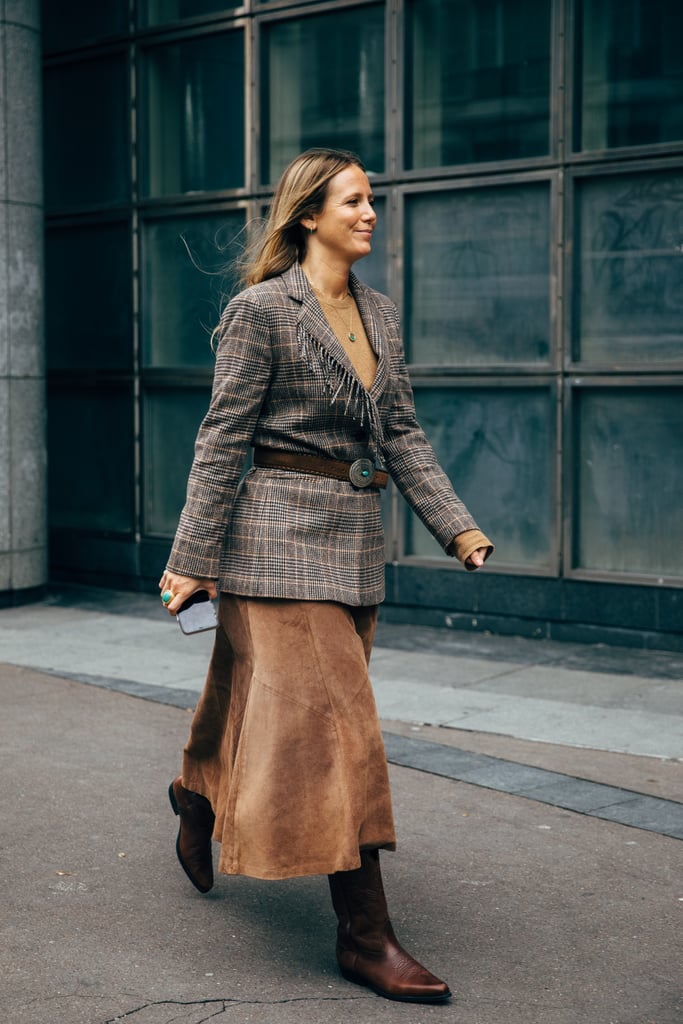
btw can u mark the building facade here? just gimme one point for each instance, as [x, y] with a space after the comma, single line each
[527, 157]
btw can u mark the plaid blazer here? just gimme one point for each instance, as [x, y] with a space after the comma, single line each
[282, 380]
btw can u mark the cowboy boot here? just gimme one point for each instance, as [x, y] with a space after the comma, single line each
[193, 844]
[368, 952]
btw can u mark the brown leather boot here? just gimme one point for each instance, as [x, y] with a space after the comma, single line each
[193, 844]
[368, 952]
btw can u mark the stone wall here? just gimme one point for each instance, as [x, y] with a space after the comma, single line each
[23, 497]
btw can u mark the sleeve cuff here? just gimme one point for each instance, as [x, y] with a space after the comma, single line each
[467, 542]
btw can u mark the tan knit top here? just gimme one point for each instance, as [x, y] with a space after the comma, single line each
[344, 319]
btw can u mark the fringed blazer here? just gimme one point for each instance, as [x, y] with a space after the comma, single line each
[282, 380]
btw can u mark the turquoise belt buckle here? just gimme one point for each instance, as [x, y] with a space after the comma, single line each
[362, 472]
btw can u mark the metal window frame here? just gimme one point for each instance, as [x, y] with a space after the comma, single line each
[563, 167]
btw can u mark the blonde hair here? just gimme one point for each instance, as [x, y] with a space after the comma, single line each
[301, 192]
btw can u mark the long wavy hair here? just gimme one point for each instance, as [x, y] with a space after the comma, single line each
[301, 192]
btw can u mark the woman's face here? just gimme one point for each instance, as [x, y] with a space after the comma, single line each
[345, 225]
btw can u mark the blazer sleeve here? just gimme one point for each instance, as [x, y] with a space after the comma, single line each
[411, 460]
[241, 380]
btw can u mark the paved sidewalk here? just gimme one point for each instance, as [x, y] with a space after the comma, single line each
[534, 913]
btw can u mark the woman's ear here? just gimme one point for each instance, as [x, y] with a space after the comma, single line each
[308, 224]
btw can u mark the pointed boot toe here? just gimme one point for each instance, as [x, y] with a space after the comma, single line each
[193, 845]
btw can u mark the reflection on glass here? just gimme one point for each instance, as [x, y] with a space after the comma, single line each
[631, 79]
[168, 453]
[88, 297]
[477, 81]
[187, 274]
[160, 12]
[478, 276]
[86, 152]
[496, 445]
[194, 93]
[323, 85]
[86, 22]
[630, 489]
[630, 246]
[91, 469]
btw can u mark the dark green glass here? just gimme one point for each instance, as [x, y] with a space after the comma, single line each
[92, 465]
[88, 289]
[193, 96]
[86, 133]
[187, 274]
[322, 84]
[477, 81]
[168, 453]
[630, 76]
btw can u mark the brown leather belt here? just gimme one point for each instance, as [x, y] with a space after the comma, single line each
[361, 473]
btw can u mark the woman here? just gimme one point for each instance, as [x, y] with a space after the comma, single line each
[285, 765]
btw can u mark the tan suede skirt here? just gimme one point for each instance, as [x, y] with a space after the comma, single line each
[285, 741]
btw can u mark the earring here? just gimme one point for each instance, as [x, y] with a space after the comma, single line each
[311, 231]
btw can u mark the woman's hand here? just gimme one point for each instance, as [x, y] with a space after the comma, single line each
[182, 587]
[476, 559]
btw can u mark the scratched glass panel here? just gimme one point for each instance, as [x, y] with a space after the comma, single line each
[630, 269]
[168, 453]
[187, 274]
[477, 281]
[477, 81]
[496, 445]
[629, 499]
[631, 80]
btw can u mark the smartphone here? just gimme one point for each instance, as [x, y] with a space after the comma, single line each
[197, 614]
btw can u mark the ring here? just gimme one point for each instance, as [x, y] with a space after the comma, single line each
[167, 597]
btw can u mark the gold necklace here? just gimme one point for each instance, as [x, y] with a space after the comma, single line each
[337, 309]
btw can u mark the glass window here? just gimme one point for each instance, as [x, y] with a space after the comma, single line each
[194, 92]
[631, 76]
[323, 85]
[187, 274]
[630, 269]
[91, 469]
[629, 483]
[168, 453]
[160, 12]
[86, 133]
[478, 276]
[477, 81]
[84, 22]
[496, 445]
[88, 297]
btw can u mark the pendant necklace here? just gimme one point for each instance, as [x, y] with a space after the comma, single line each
[337, 310]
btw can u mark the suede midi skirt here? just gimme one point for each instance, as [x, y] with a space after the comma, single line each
[285, 741]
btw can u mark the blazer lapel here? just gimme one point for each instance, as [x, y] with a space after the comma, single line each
[368, 315]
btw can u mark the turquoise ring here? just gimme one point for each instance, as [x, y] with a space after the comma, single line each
[167, 597]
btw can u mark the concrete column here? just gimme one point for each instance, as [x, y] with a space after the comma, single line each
[23, 487]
